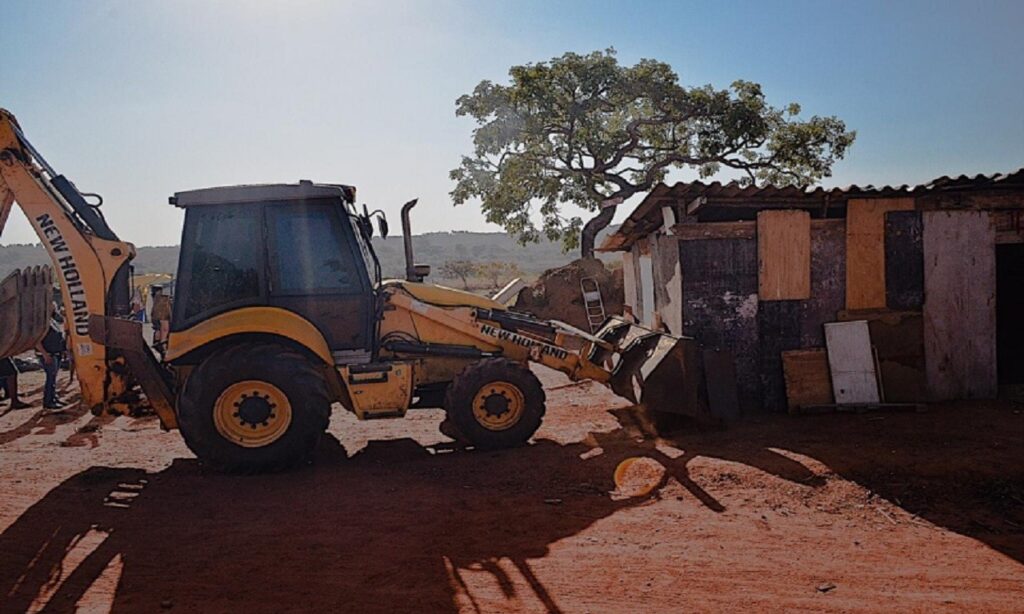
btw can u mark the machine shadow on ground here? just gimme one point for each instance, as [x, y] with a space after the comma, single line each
[392, 527]
[388, 529]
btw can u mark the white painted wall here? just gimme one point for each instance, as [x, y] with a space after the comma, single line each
[646, 290]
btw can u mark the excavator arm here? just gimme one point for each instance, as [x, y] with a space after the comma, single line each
[91, 265]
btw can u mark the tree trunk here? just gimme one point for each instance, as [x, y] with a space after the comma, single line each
[596, 224]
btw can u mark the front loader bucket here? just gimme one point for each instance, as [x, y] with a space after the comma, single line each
[26, 304]
[658, 371]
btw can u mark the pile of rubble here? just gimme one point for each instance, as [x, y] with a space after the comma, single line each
[556, 295]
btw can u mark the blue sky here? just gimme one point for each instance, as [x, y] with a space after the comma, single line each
[137, 100]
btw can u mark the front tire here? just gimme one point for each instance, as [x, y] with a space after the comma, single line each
[495, 403]
[253, 408]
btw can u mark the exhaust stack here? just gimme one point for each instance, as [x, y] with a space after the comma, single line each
[407, 235]
[413, 272]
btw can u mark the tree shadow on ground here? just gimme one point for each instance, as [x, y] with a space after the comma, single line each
[958, 466]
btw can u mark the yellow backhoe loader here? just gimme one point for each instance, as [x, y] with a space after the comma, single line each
[280, 311]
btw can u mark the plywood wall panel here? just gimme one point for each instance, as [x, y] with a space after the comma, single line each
[959, 308]
[808, 381]
[865, 249]
[784, 255]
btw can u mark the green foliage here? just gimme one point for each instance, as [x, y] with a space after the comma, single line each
[583, 129]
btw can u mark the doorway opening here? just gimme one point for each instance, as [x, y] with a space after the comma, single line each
[1010, 316]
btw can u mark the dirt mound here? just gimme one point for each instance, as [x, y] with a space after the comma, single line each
[556, 295]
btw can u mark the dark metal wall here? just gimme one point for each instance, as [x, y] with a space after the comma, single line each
[722, 311]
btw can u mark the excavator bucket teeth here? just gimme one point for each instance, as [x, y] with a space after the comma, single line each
[657, 370]
[26, 304]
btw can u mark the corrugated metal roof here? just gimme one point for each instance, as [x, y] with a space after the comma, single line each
[647, 212]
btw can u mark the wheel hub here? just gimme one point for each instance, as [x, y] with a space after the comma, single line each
[254, 410]
[499, 405]
[496, 404]
[252, 413]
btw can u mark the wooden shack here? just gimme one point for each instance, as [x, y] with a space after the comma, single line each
[937, 270]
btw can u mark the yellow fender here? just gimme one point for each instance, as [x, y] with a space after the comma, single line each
[248, 320]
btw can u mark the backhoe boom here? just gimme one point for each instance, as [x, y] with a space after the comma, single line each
[91, 264]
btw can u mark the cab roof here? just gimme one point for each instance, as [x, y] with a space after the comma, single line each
[261, 193]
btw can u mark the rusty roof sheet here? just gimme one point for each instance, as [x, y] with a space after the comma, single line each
[648, 209]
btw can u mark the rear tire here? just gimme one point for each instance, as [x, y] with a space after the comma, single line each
[253, 408]
[495, 403]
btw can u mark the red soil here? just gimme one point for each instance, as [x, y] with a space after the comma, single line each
[914, 512]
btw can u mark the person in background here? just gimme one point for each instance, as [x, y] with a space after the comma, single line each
[51, 355]
[138, 306]
[9, 382]
[161, 317]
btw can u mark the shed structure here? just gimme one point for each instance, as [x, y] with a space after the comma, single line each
[937, 271]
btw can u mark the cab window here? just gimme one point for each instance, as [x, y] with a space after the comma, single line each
[312, 250]
[223, 264]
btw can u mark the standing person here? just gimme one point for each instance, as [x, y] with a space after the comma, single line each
[138, 306]
[51, 355]
[9, 382]
[161, 317]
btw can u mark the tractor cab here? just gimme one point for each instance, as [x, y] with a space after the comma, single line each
[298, 247]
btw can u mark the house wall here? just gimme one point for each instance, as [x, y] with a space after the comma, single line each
[629, 279]
[935, 283]
[668, 282]
[960, 305]
[645, 284]
[720, 306]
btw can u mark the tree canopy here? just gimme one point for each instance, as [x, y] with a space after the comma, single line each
[584, 129]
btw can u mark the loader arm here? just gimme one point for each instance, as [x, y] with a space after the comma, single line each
[91, 264]
[649, 368]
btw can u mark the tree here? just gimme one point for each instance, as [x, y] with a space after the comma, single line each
[583, 129]
[496, 270]
[459, 269]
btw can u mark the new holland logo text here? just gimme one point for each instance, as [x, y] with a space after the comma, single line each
[69, 272]
[526, 342]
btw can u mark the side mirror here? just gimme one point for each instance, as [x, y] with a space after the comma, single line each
[382, 226]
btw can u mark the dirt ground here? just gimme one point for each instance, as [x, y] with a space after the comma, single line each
[916, 512]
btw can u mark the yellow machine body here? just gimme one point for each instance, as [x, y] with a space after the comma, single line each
[425, 337]
[272, 321]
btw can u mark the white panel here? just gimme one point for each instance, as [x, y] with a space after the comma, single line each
[646, 290]
[851, 362]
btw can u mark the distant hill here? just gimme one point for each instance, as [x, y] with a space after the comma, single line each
[432, 248]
